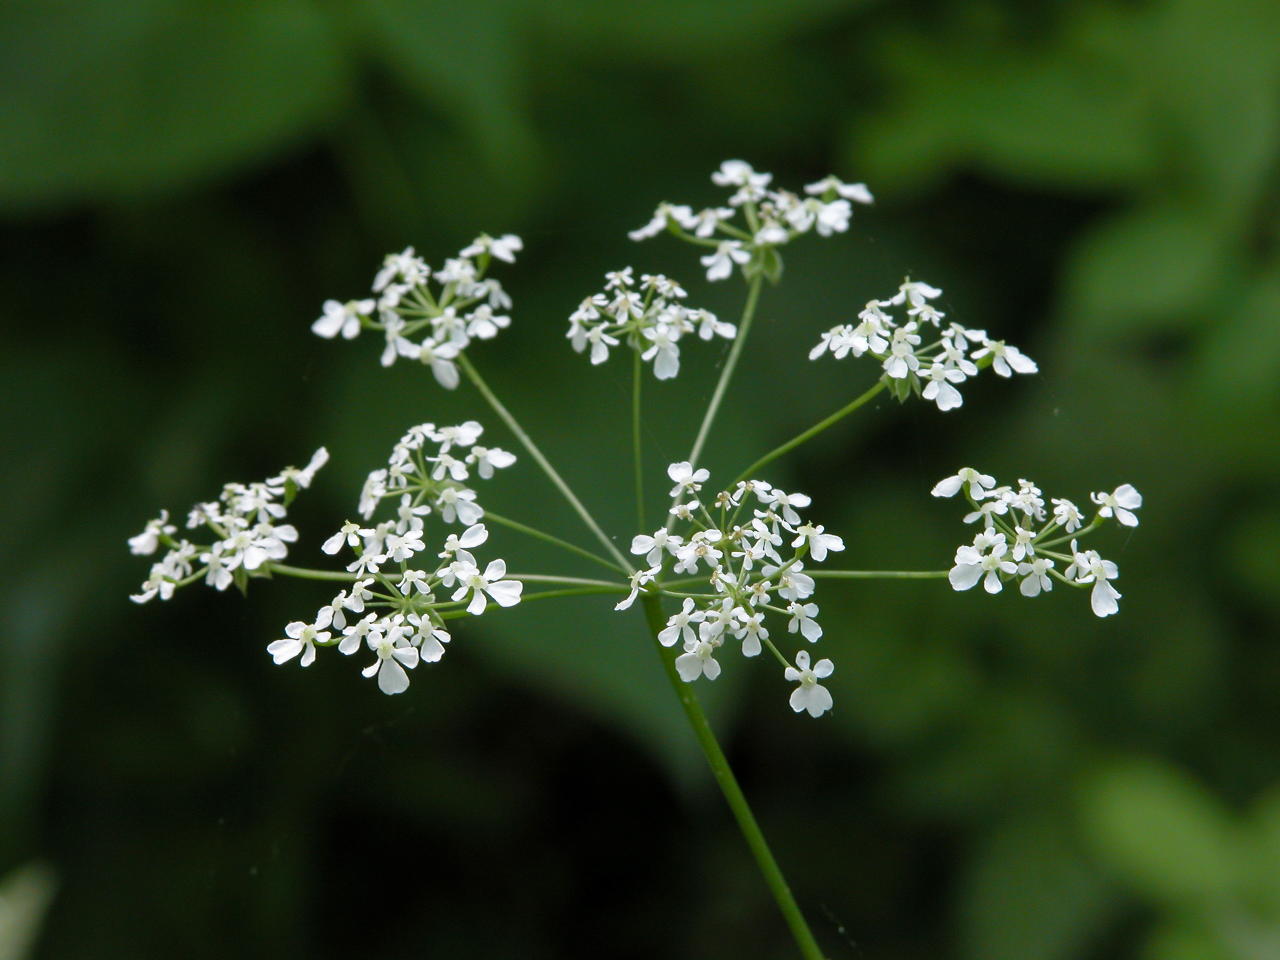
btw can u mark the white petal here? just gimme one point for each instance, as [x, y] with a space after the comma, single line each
[391, 678]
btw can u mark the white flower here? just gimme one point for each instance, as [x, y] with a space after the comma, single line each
[395, 652]
[720, 264]
[458, 503]
[638, 579]
[405, 265]
[1121, 503]
[342, 318]
[1036, 574]
[819, 542]
[438, 356]
[833, 217]
[484, 324]
[802, 619]
[686, 479]
[300, 478]
[985, 556]
[770, 234]
[487, 459]
[375, 487]
[299, 638]
[704, 222]
[698, 660]
[658, 223]
[810, 695]
[793, 582]
[678, 624]
[429, 639]
[663, 352]
[462, 435]
[709, 326]
[1067, 515]
[1089, 567]
[460, 546]
[409, 515]
[1028, 500]
[505, 593]
[503, 248]
[148, 541]
[739, 173]
[750, 629]
[902, 358]
[1006, 360]
[619, 279]
[940, 389]
[218, 575]
[414, 579]
[914, 293]
[1023, 543]
[402, 546]
[652, 547]
[787, 502]
[857, 192]
[359, 633]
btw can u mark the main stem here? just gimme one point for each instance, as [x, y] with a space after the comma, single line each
[733, 795]
[527, 442]
[813, 431]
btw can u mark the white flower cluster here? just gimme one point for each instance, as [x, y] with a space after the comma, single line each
[408, 625]
[436, 482]
[1009, 546]
[742, 558]
[464, 307]
[772, 218]
[247, 520]
[650, 318]
[392, 608]
[953, 357]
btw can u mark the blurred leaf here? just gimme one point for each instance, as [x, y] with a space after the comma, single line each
[1240, 352]
[108, 99]
[1143, 269]
[24, 897]
[1065, 115]
[465, 60]
[1186, 941]
[1162, 832]
[1029, 895]
[676, 30]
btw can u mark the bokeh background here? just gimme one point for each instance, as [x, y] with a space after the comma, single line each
[182, 183]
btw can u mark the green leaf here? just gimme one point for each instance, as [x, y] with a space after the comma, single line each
[1162, 832]
[110, 99]
[1142, 269]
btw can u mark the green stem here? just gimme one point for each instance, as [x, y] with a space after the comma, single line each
[730, 364]
[527, 442]
[723, 773]
[539, 534]
[637, 370]
[813, 431]
[744, 327]
[571, 581]
[573, 592]
[879, 574]
[306, 573]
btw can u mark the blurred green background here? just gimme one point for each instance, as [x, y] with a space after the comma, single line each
[183, 183]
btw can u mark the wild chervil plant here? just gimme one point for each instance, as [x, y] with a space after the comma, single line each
[740, 559]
